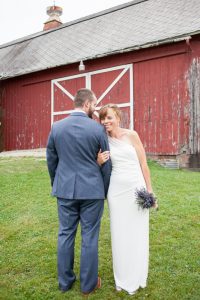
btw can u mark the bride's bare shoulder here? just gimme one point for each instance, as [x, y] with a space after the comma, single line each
[130, 133]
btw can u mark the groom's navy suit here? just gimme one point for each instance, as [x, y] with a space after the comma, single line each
[80, 186]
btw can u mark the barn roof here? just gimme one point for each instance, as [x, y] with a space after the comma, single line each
[127, 27]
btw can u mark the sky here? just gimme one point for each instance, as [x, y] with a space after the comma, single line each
[19, 18]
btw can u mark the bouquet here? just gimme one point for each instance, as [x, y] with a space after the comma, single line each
[145, 200]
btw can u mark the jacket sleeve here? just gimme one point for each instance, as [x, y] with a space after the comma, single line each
[52, 157]
[106, 168]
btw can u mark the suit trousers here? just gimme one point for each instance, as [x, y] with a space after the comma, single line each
[88, 213]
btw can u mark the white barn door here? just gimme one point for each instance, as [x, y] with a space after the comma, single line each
[111, 85]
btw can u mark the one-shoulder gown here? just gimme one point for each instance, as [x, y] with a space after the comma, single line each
[129, 224]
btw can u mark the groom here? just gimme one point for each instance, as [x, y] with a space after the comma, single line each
[80, 186]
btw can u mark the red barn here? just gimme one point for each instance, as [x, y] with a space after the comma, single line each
[143, 55]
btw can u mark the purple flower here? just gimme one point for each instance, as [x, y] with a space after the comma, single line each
[145, 200]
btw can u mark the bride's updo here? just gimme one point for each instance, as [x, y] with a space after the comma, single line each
[104, 111]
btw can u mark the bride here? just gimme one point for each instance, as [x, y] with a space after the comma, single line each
[129, 224]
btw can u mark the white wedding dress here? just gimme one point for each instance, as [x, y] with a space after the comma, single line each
[129, 224]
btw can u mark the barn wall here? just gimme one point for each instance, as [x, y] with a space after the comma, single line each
[26, 114]
[194, 90]
[162, 104]
[162, 107]
[193, 80]
[1, 118]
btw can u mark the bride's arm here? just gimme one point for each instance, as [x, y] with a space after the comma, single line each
[102, 157]
[135, 140]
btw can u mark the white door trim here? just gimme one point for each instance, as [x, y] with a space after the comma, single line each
[88, 75]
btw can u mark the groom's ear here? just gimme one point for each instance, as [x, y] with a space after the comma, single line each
[86, 103]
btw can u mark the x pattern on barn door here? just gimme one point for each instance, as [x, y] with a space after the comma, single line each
[112, 85]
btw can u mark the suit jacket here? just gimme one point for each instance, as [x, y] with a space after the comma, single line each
[72, 150]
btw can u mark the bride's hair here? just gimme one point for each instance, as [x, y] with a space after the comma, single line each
[104, 110]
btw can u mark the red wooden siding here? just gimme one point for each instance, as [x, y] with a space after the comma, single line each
[165, 98]
[119, 94]
[61, 101]
[26, 115]
[161, 102]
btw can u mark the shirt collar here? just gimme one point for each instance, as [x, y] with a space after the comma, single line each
[78, 110]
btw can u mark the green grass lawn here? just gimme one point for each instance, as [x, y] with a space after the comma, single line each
[29, 228]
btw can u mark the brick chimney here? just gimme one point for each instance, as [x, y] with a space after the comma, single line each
[54, 13]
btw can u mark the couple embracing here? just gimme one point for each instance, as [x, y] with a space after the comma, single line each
[88, 162]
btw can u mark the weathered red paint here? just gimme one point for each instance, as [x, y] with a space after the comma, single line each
[161, 101]
[26, 114]
[161, 98]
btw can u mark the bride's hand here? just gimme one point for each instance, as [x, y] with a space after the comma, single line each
[156, 202]
[102, 157]
[156, 205]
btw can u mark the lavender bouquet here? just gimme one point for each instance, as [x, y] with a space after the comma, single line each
[145, 200]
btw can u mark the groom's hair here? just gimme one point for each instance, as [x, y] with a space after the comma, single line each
[82, 95]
